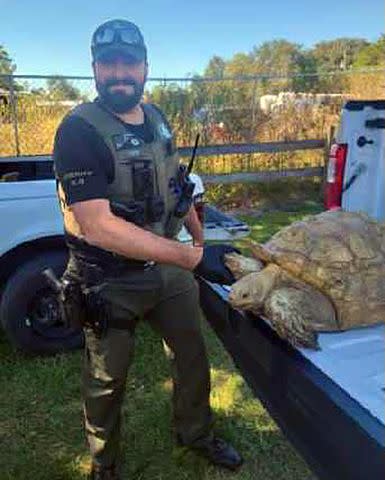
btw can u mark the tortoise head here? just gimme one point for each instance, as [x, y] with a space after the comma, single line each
[251, 291]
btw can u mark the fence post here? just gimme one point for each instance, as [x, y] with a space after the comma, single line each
[13, 101]
[250, 136]
[253, 102]
[328, 143]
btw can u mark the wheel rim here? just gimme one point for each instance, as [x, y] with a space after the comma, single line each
[44, 316]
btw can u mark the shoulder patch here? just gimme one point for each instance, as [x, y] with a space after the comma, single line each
[126, 141]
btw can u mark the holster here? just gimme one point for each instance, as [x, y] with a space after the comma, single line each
[97, 310]
[80, 298]
[71, 303]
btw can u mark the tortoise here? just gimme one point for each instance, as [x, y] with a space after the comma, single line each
[321, 274]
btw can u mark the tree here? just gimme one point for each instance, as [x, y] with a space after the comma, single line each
[308, 65]
[7, 67]
[372, 55]
[277, 56]
[369, 84]
[283, 58]
[62, 89]
[215, 67]
[338, 54]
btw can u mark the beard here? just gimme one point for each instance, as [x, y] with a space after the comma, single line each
[120, 101]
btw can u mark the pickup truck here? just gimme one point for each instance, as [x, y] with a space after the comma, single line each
[329, 403]
[31, 240]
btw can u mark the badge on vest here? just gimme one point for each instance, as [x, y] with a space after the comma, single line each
[165, 131]
[126, 141]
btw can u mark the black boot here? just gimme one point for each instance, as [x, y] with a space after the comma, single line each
[104, 473]
[218, 452]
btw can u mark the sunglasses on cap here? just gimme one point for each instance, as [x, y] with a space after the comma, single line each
[117, 32]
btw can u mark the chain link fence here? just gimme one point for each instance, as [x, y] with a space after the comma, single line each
[224, 111]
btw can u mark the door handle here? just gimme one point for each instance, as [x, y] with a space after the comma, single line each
[375, 123]
[362, 141]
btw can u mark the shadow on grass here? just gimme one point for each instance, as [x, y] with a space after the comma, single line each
[239, 418]
[41, 424]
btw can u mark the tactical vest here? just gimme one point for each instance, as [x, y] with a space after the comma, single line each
[128, 152]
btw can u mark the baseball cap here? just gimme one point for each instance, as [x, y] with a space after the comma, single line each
[118, 37]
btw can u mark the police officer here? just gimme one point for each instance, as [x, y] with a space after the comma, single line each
[119, 184]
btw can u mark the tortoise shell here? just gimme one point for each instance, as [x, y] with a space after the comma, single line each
[340, 253]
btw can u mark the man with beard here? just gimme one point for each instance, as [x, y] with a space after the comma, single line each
[119, 185]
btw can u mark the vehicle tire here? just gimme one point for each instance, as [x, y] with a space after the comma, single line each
[29, 310]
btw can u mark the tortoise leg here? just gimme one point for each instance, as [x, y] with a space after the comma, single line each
[295, 315]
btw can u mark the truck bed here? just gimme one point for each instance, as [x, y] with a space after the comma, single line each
[354, 360]
[329, 403]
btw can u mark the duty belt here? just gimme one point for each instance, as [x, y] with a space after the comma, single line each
[102, 269]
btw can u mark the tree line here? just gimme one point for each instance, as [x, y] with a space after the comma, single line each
[276, 57]
[293, 68]
[203, 103]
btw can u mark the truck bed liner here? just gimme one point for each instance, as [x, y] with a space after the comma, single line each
[355, 360]
[329, 404]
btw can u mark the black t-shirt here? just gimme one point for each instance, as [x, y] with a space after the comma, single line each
[83, 162]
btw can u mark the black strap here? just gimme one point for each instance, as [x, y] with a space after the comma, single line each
[88, 256]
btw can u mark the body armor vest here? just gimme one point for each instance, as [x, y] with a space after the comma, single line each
[143, 172]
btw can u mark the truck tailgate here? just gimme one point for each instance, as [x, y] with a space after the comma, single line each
[338, 436]
[362, 129]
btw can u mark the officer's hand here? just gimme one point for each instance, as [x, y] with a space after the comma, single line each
[212, 266]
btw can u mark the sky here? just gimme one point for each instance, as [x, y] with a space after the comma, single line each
[48, 37]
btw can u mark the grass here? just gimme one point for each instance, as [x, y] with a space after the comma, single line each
[266, 224]
[286, 195]
[41, 434]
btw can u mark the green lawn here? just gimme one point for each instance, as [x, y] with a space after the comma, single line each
[41, 436]
[265, 225]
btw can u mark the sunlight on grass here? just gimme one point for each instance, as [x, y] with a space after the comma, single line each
[226, 389]
[167, 385]
[82, 464]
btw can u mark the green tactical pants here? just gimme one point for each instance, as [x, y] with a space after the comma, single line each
[166, 297]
